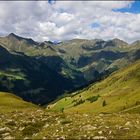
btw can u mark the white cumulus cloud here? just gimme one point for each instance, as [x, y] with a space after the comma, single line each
[65, 20]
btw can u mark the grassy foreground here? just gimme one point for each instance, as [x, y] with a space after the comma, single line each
[40, 124]
[22, 120]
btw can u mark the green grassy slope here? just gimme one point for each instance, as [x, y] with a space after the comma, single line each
[10, 102]
[120, 91]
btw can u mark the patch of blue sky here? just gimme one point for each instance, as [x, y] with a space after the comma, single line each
[51, 1]
[94, 25]
[134, 8]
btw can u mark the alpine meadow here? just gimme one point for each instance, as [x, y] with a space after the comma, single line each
[69, 70]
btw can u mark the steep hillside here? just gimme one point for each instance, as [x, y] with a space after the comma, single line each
[17, 44]
[119, 92]
[31, 78]
[10, 103]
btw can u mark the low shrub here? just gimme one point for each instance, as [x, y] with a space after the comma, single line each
[93, 98]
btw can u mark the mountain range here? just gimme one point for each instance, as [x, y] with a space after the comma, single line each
[40, 72]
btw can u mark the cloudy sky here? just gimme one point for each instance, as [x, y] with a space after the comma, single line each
[64, 20]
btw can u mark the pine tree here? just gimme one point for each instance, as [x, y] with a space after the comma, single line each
[104, 103]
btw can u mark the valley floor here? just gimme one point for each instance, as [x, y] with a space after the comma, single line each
[42, 124]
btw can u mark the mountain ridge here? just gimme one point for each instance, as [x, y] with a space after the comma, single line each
[75, 39]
